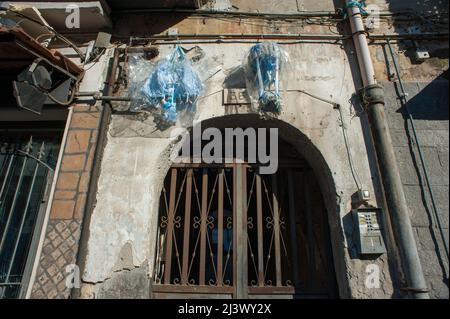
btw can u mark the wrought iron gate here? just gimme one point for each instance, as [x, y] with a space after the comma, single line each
[26, 169]
[226, 231]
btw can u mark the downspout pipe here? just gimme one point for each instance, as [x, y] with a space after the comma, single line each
[373, 97]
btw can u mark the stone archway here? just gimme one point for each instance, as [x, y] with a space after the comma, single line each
[319, 170]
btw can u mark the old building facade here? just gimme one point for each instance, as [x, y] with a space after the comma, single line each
[114, 216]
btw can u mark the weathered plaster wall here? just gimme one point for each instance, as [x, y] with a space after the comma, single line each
[123, 224]
[122, 231]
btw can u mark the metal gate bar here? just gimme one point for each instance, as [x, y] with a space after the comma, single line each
[14, 202]
[241, 232]
[276, 229]
[22, 222]
[6, 175]
[309, 223]
[219, 280]
[260, 230]
[293, 227]
[169, 233]
[204, 216]
[187, 227]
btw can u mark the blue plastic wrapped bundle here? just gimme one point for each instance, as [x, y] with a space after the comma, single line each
[173, 86]
[264, 67]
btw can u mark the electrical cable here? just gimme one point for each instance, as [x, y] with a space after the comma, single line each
[58, 35]
[337, 106]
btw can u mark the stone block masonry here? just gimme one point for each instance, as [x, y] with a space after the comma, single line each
[428, 104]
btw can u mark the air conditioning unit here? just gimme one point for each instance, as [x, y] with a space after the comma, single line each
[35, 84]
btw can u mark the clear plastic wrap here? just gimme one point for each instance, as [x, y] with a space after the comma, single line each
[265, 69]
[170, 88]
[138, 70]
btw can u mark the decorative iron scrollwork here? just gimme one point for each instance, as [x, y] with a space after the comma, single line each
[177, 221]
[197, 222]
[229, 220]
[269, 222]
[250, 223]
[210, 222]
[283, 222]
[163, 223]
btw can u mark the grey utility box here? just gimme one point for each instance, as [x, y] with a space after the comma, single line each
[369, 238]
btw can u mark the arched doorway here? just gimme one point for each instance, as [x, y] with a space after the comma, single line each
[227, 231]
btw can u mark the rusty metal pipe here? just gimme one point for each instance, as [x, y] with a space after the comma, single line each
[299, 36]
[96, 165]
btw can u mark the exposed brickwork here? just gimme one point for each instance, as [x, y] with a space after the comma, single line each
[62, 209]
[68, 181]
[63, 232]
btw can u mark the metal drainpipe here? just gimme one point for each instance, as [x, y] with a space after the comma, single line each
[393, 187]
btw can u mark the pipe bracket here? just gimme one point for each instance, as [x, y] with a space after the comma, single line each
[372, 94]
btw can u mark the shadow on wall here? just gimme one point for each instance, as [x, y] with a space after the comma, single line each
[423, 16]
[426, 16]
[143, 24]
[431, 103]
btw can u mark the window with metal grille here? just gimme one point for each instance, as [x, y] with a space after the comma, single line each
[27, 160]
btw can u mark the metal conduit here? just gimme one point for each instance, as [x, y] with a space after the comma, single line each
[299, 36]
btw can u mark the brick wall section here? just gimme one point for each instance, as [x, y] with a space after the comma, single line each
[429, 106]
[61, 242]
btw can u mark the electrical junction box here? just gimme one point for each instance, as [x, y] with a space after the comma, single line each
[363, 195]
[369, 237]
[103, 40]
[421, 55]
[172, 32]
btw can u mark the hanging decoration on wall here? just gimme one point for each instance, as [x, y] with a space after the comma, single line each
[170, 88]
[265, 68]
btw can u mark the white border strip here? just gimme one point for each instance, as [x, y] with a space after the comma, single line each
[49, 5]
